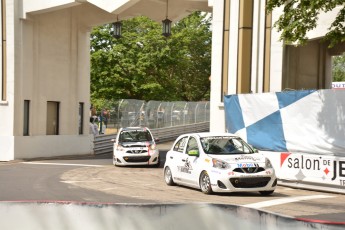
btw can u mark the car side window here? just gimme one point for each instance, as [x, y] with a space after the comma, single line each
[192, 144]
[179, 146]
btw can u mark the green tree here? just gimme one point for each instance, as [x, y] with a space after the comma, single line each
[301, 16]
[144, 65]
[192, 45]
[338, 70]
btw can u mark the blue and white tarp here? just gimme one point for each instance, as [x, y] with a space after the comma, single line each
[308, 121]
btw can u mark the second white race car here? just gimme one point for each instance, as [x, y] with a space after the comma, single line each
[135, 146]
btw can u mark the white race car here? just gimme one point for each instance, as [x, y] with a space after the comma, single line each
[218, 162]
[135, 146]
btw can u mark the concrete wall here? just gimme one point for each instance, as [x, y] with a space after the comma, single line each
[50, 62]
[51, 72]
[47, 59]
[65, 215]
[56, 67]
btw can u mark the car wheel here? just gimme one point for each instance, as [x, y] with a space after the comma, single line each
[266, 193]
[205, 183]
[168, 176]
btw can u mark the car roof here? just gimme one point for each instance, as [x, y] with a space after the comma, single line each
[213, 134]
[134, 128]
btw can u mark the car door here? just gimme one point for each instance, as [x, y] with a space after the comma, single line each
[175, 158]
[190, 166]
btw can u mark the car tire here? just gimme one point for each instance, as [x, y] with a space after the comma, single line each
[266, 193]
[168, 176]
[205, 183]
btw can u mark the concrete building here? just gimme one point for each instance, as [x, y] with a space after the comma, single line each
[45, 64]
[249, 58]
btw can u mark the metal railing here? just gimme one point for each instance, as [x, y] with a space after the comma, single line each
[103, 143]
[151, 114]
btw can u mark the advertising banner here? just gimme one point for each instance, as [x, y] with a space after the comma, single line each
[306, 121]
[338, 85]
[318, 169]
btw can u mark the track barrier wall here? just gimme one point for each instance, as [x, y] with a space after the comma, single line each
[301, 132]
[96, 216]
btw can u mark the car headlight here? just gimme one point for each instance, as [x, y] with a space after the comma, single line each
[220, 164]
[268, 163]
[119, 147]
[153, 146]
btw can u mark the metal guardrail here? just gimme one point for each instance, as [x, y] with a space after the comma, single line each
[103, 143]
[171, 133]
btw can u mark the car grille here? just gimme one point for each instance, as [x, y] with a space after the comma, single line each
[251, 182]
[131, 151]
[138, 145]
[249, 170]
[137, 159]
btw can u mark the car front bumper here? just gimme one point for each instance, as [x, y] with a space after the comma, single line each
[123, 158]
[229, 181]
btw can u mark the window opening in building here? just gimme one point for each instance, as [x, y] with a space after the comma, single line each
[338, 71]
[53, 118]
[3, 82]
[81, 117]
[26, 117]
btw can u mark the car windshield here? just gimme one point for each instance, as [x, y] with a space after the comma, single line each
[135, 136]
[225, 145]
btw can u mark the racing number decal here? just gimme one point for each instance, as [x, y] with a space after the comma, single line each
[247, 165]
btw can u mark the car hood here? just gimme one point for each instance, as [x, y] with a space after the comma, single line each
[241, 158]
[136, 144]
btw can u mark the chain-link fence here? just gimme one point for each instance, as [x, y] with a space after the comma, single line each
[155, 114]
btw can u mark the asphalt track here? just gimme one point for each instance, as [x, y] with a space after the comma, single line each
[145, 185]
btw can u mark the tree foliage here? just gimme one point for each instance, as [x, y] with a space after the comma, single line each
[144, 65]
[301, 16]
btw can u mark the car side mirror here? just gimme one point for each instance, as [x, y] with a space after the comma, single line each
[254, 149]
[193, 153]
